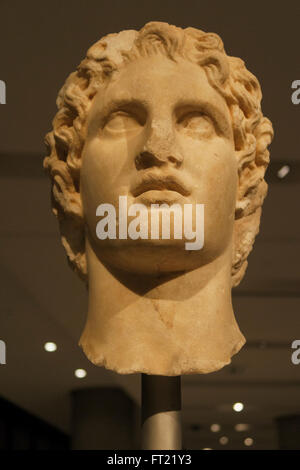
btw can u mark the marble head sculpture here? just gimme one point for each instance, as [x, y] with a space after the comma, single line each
[159, 116]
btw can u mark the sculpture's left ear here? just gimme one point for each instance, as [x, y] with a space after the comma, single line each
[217, 67]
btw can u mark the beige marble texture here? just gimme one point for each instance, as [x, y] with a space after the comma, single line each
[159, 116]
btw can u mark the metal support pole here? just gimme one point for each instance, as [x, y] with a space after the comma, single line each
[161, 412]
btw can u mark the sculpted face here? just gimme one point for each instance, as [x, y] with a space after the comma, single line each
[143, 120]
[159, 132]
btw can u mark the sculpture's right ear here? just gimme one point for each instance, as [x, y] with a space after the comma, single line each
[64, 191]
[65, 195]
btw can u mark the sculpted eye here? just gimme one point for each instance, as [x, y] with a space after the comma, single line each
[196, 124]
[122, 122]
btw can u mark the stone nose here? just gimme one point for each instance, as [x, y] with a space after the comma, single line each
[160, 148]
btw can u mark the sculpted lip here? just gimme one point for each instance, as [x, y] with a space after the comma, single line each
[151, 182]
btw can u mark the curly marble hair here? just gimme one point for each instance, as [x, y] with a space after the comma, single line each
[228, 75]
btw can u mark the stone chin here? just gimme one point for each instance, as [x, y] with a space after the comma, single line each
[152, 257]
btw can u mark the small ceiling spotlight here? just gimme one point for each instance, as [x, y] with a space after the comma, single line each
[80, 373]
[238, 406]
[50, 347]
[240, 427]
[284, 170]
[215, 428]
[248, 441]
[223, 440]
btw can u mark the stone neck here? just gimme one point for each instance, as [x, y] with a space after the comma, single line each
[171, 325]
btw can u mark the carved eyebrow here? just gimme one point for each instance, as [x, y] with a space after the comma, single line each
[140, 109]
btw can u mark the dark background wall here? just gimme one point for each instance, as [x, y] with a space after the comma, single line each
[20, 430]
